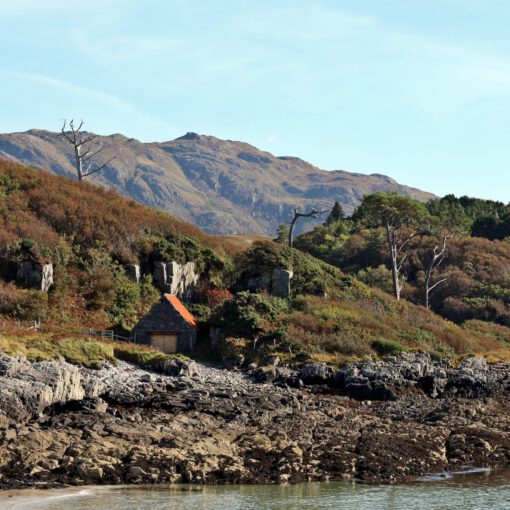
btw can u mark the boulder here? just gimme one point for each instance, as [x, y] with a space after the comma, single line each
[276, 282]
[176, 367]
[133, 272]
[28, 389]
[33, 275]
[182, 279]
[280, 282]
[159, 276]
[177, 279]
[316, 373]
[90, 472]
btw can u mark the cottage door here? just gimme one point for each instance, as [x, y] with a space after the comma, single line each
[165, 342]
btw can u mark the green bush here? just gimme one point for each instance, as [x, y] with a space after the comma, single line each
[248, 315]
[385, 347]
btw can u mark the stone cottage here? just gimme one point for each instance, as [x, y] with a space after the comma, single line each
[168, 326]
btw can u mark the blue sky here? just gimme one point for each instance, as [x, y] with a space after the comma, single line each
[416, 90]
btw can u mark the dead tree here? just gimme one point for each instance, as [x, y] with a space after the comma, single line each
[295, 217]
[435, 260]
[83, 150]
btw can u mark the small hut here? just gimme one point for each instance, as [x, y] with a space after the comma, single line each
[168, 326]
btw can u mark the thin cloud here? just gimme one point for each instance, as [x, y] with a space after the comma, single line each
[109, 100]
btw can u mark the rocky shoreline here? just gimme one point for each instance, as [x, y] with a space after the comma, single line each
[376, 422]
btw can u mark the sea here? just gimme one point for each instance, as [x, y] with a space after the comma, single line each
[472, 490]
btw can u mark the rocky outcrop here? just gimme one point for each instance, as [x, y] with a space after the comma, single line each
[29, 388]
[33, 275]
[133, 272]
[276, 282]
[187, 422]
[177, 279]
[390, 379]
[280, 282]
[437, 378]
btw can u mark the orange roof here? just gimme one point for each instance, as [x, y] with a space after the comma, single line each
[176, 303]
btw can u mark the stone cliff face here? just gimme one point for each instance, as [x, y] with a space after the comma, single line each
[222, 186]
[61, 424]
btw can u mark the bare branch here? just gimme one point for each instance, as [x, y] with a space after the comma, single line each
[88, 139]
[101, 167]
[66, 136]
[314, 213]
[436, 284]
[85, 156]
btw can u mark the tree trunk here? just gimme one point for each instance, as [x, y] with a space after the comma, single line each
[79, 162]
[394, 263]
[291, 230]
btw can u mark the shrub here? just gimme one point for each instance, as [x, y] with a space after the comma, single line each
[250, 314]
[385, 347]
[23, 304]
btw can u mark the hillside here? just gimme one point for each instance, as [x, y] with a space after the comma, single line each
[91, 235]
[222, 186]
[470, 280]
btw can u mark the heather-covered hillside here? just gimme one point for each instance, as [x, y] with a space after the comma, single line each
[470, 281]
[222, 186]
[91, 235]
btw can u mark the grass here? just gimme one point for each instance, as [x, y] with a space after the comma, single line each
[84, 351]
[144, 356]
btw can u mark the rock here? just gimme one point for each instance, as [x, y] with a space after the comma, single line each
[133, 272]
[136, 472]
[183, 279]
[433, 385]
[159, 276]
[29, 391]
[177, 279]
[316, 373]
[260, 282]
[272, 361]
[277, 282]
[116, 425]
[231, 362]
[33, 275]
[12, 365]
[176, 367]
[280, 282]
[90, 472]
[148, 378]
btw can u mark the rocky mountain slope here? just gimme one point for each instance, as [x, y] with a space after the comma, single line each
[222, 186]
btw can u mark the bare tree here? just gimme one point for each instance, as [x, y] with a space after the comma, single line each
[295, 217]
[403, 219]
[435, 260]
[84, 150]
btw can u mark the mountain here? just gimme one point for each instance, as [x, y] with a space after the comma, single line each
[222, 186]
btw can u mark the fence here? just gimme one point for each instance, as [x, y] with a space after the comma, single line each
[28, 325]
[109, 334]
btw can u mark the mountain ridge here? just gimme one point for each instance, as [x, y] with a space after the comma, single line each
[222, 186]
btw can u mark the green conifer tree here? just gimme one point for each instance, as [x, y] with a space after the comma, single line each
[282, 234]
[336, 214]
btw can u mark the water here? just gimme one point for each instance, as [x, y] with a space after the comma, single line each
[466, 492]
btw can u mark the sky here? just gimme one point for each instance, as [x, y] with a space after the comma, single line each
[417, 90]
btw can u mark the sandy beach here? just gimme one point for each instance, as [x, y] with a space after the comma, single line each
[26, 499]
